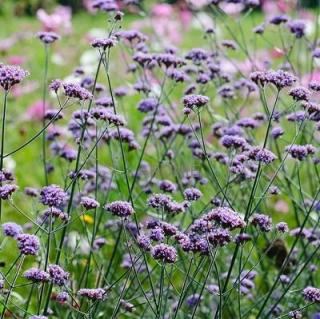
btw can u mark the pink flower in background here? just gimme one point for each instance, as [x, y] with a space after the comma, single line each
[165, 23]
[35, 111]
[60, 19]
[29, 87]
[16, 59]
[272, 7]
[162, 10]
[185, 17]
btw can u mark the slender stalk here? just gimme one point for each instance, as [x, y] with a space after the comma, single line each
[3, 138]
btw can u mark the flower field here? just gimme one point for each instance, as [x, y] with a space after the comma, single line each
[160, 160]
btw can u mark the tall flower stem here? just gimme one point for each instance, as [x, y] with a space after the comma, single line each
[2, 137]
[44, 96]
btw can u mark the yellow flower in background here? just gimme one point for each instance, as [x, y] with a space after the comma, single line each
[87, 219]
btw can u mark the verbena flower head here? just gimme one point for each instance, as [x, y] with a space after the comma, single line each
[93, 294]
[261, 155]
[300, 152]
[104, 43]
[225, 217]
[48, 37]
[165, 253]
[53, 195]
[62, 297]
[297, 27]
[276, 132]
[191, 101]
[148, 105]
[282, 227]
[89, 203]
[192, 194]
[55, 85]
[262, 221]
[36, 275]
[311, 294]
[11, 75]
[276, 20]
[219, 237]
[7, 190]
[75, 91]
[300, 94]
[11, 229]
[144, 242]
[120, 208]
[58, 276]
[28, 244]
[193, 300]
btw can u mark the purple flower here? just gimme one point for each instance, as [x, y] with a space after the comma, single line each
[261, 155]
[316, 53]
[190, 101]
[104, 101]
[226, 92]
[311, 294]
[38, 317]
[229, 44]
[297, 27]
[93, 294]
[282, 227]
[11, 229]
[225, 217]
[55, 213]
[132, 36]
[73, 90]
[55, 85]
[242, 238]
[62, 297]
[48, 37]
[11, 75]
[120, 91]
[165, 253]
[279, 19]
[259, 29]
[89, 203]
[197, 55]
[219, 237]
[300, 152]
[234, 141]
[58, 276]
[167, 186]
[300, 94]
[193, 300]
[157, 234]
[314, 86]
[148, 105]
[281, 79]
[36, 275]
[103, 43]
[53, 195]
[264, 222]
[276, 132]
[159, 200]
[7, 190]
[120, 208]
[144, 242]
[28, 244]
[192, 194]
[296, 314]
[126, 306]
[296, 116]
